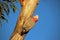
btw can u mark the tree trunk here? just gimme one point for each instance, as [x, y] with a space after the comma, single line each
[25, 21]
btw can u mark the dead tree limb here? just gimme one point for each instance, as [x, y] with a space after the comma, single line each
[25, 21]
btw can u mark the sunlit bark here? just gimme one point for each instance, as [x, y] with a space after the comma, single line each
[25, 21]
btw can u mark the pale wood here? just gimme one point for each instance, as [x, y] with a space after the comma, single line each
[24, 18]
[17, 36]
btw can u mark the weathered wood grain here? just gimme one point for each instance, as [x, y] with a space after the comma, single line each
[28, 7]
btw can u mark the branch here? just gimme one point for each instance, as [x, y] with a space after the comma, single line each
[25, 21]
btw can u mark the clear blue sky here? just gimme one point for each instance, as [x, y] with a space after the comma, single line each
[47, 27]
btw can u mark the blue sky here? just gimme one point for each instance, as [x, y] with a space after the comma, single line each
[47, 27]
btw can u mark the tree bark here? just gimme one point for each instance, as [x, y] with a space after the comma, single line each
[25, 22]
